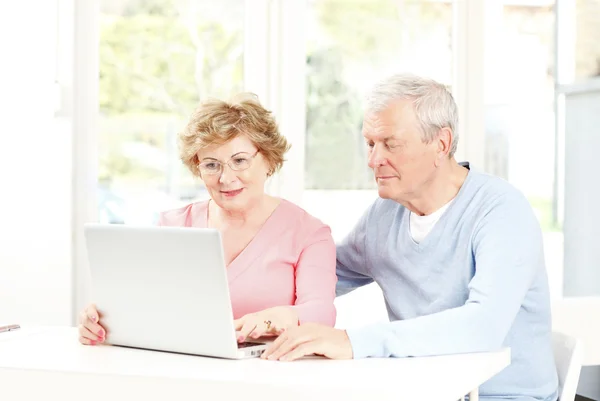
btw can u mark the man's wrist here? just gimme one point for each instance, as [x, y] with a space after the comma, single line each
[349, 344]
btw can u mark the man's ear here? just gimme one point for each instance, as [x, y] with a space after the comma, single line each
[444, 141]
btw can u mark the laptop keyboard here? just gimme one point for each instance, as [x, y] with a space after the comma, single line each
[247, 344]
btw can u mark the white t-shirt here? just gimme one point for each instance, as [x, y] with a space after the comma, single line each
[420, 226]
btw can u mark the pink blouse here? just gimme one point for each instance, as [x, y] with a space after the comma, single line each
[290, 261]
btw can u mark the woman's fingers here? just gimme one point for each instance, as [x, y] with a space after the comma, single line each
[89, 319]
[263, 328]
[87, 337]
[86, 341]
[92, 313]
[239, 323]
[247, 329]
[95, 329]
[271, 322]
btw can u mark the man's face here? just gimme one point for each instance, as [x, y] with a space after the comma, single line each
[402, 163]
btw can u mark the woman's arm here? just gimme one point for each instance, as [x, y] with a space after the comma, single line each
[316, 279]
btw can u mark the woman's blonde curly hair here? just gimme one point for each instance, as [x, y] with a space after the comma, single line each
[216, 122]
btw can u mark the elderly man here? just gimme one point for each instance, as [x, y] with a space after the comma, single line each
[457, 253]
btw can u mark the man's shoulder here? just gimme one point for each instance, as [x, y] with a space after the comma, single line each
[493, 198]
[483, 188]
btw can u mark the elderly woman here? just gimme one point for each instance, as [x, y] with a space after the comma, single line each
[280, 260]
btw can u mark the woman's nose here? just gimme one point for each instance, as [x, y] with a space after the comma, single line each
[227, 174]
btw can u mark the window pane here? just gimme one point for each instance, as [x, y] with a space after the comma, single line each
[587, 45]
[520, 120]
[351, 45]
[157, 59]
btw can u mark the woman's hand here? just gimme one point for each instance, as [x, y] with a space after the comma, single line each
[90, 330]
[272, 321]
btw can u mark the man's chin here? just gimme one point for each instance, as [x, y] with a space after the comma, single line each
[384, 192]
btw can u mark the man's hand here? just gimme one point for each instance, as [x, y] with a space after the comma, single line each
[309, 339]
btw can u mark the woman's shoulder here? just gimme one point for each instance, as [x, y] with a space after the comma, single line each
[302, 229]
[300, 218]
[189, 215]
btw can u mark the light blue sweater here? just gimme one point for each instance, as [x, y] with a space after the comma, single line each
[477, 282]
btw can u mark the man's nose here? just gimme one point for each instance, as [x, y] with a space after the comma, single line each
[375, 160]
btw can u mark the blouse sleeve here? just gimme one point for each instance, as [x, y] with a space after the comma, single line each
[316, 279]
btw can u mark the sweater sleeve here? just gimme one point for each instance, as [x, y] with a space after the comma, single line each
[507, 249]
[315, 279]
[351, 268]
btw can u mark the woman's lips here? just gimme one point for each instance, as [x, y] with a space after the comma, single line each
[231, 194]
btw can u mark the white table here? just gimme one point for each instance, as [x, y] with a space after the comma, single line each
[48, 363]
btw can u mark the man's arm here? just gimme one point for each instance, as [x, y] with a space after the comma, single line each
[351, 266]
[508, 252]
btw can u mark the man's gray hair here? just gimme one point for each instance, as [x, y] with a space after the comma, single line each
[433, 103]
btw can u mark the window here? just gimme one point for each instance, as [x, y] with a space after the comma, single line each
[350, 46]
[519, 115]
[157, 60]
[587, 45]
[578, 98]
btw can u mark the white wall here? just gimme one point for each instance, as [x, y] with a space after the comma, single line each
[582, 196]
[35, 166]
[582, 190]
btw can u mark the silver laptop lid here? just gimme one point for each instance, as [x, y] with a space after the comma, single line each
[162, 288]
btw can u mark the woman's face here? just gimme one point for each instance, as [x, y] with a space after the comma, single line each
[234, 173]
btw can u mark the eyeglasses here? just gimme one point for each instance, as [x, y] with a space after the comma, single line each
[239, 162]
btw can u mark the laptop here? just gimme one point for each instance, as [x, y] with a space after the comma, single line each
[164, 288]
